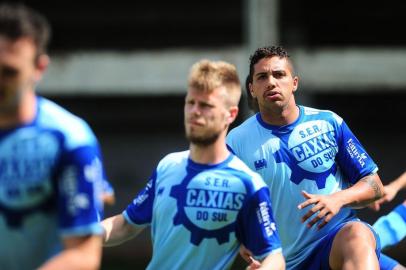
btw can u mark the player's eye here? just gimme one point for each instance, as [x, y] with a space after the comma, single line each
[278, 74]
[262, 77]
[206, 105]
[8, 72]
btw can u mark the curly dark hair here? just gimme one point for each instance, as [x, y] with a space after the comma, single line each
[18, 21]
[267, 52]
[260, 53]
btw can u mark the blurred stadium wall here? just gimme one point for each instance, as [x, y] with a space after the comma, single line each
[123, 65]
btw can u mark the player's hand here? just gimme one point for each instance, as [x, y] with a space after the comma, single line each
[254, 264]
[326, 207]
[247, 256]
[390, 193]
[245, 253]
[108, 198]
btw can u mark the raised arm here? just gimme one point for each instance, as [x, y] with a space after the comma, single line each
[390, 191]
[117, 230]
[394, 187]
[400, 182]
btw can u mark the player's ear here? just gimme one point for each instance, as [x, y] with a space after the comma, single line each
[295, 83]
[41, 65]
[232, 114]
[251, 90]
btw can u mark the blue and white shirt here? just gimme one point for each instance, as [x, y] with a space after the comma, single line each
[199, 214]
[50, 181]
[317, 153]
[391, 228]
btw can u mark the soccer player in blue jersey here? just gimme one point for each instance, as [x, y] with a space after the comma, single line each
[202, 203]
[315, 167]
[391, 228]
[50, 165]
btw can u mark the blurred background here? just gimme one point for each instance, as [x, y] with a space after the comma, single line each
[122, 66]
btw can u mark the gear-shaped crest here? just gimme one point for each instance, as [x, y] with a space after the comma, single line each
[299, 174]
[183, 217]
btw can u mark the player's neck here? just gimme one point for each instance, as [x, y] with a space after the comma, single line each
[209, 154]
[281, 116]
[23, 114]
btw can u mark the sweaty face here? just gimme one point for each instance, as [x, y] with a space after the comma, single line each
[205, 116]
[273, 83]
[17, 71]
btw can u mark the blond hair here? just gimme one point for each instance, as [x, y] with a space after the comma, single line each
[207, 75]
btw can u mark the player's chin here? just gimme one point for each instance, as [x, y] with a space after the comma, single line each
[202, 139]
[195, 136]
[193, 131]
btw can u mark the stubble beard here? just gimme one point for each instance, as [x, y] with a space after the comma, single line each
[9, 104]
[203, 140]
[206, 139]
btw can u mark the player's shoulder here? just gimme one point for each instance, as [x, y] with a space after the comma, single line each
[244, 128]
[309, 112]
[238, 165]
[53, 116]
[174, 159]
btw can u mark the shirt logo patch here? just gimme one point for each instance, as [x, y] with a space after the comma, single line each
[355, 153]
[311, 152]
[208, 203]
[264, 218]
[260, 164]
[161, 190]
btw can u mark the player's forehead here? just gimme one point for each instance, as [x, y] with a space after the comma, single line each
[273, 63]
[215, 94]
[20, 50]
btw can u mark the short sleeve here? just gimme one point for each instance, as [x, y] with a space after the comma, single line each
[139, 212]
[256, 227]
[352, 158]
[79, 200]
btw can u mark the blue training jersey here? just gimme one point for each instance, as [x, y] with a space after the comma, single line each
[391, 228]
[50, 183]
[199, 214]
[317, 153]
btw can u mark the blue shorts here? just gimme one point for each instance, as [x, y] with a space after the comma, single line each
[319, 258]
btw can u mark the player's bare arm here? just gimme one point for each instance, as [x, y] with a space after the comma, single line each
[365, 191]
[274, 261]
[390, 191]
[80, 252]
[117, 230]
